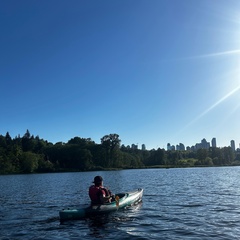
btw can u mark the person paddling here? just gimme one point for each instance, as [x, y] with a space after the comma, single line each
[99, 194]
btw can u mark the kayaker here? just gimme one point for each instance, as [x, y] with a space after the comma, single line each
[99, 194]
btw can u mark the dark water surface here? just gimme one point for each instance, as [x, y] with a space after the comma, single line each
[193, 203]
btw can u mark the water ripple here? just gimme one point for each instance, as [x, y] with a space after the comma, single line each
[198, 203]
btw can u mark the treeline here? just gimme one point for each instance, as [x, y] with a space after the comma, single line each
[29, 154]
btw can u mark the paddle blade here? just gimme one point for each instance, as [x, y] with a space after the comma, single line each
[117, 201]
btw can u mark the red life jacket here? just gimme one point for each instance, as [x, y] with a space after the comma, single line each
[95, 194]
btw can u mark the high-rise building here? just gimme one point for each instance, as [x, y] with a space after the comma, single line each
[205, 144]
[214, 142]
[134, 146]
[169, 147]
[232, 145]
[181, 147]
[143, 147]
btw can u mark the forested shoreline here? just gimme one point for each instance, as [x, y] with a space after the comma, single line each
[30, 154]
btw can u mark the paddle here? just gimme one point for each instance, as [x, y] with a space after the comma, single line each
[117, 200]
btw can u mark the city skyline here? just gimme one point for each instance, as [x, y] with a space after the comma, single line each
[204, 144]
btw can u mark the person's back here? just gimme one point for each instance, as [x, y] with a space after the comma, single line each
[97, 193]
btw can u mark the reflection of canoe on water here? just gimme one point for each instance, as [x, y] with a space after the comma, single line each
[122, 200]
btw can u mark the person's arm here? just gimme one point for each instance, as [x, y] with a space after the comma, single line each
[104, 197]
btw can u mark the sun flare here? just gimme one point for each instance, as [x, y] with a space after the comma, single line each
[216, 104]
[235, 82]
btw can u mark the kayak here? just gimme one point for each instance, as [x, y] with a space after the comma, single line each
[122, 200]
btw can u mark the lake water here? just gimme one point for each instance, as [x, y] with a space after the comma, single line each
[189, 203]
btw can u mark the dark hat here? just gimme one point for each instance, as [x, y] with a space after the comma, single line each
[98, 179]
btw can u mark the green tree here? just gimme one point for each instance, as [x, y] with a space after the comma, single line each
[157, 157]
[83, 142]
[3, 142]
[29, 162]
[173, 157]
[8, 139]
[228, 155]
[202, 154]
[39, 145]
[208, 161]
[110, 143]
[45, 165]
[28, 142]
[5, 165]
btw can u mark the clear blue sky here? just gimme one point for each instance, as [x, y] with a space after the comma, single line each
[154, 72]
